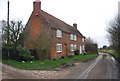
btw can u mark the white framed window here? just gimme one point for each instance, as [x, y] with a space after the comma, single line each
[59, 47]
[71, 36]
[83, 47]
[59, 33]
[75, 37]
[75, 47]
[71, 47]
[83, 40]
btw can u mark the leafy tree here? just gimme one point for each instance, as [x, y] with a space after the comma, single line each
[105, 47]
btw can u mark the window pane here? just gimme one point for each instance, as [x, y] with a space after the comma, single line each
[75, 37]
[59, 47]
[82, 39]
[75, 47]
[59, 33]
[71, 36]
[71, 47]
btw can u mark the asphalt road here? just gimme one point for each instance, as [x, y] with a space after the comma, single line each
[103, 67]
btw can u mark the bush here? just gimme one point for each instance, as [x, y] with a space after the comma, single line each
[9, 52]
[70, 55]
[25, 53]
[76, 52]
[8, 46]
[16, 52]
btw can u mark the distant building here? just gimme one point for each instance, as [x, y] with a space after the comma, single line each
[65, 39]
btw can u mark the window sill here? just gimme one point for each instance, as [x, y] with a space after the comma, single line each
[73, 40]
[59, 37]
[59, 51]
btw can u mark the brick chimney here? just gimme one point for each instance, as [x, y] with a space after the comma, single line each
[75, 25]
[36, 6]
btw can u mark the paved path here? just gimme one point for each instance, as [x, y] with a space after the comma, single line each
[9, 72]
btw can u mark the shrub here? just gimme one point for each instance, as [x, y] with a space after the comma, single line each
[7, 50]
[25, 53]
[8, 46]
[70, 55]
[76, 52]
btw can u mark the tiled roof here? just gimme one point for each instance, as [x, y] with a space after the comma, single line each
[58, 24]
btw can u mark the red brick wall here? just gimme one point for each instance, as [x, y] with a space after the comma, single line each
[35, 25]
[64, 40]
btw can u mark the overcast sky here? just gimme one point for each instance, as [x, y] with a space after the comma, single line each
[91, 16]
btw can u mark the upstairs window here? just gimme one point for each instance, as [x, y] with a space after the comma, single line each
[71, 47]
[59, 33]
[83, 40]
[71, 36]
[75, 37]
[59, 48]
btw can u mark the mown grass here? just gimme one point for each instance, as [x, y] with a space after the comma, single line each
[48, 64]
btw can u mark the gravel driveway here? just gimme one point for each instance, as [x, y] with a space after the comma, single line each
[9, 72]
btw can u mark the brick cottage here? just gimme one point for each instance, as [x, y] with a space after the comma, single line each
[65, 39]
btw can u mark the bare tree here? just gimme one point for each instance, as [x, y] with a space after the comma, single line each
[114, 34]
[41, 43]
[4, 31]
[89, 41]
[91, 46]
[15, 29]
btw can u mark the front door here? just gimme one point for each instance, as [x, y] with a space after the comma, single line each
[80, 49]
[64, 49]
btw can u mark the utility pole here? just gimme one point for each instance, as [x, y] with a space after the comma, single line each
[8, 28]
[8, 33]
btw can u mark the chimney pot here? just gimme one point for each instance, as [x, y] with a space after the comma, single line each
[75, 25]
[37, 1]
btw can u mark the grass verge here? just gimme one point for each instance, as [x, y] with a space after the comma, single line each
[112, 52]
[48, 64]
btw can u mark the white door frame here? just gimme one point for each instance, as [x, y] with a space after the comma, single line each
[80, 49]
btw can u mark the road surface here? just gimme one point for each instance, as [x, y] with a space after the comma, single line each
[103, 67]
